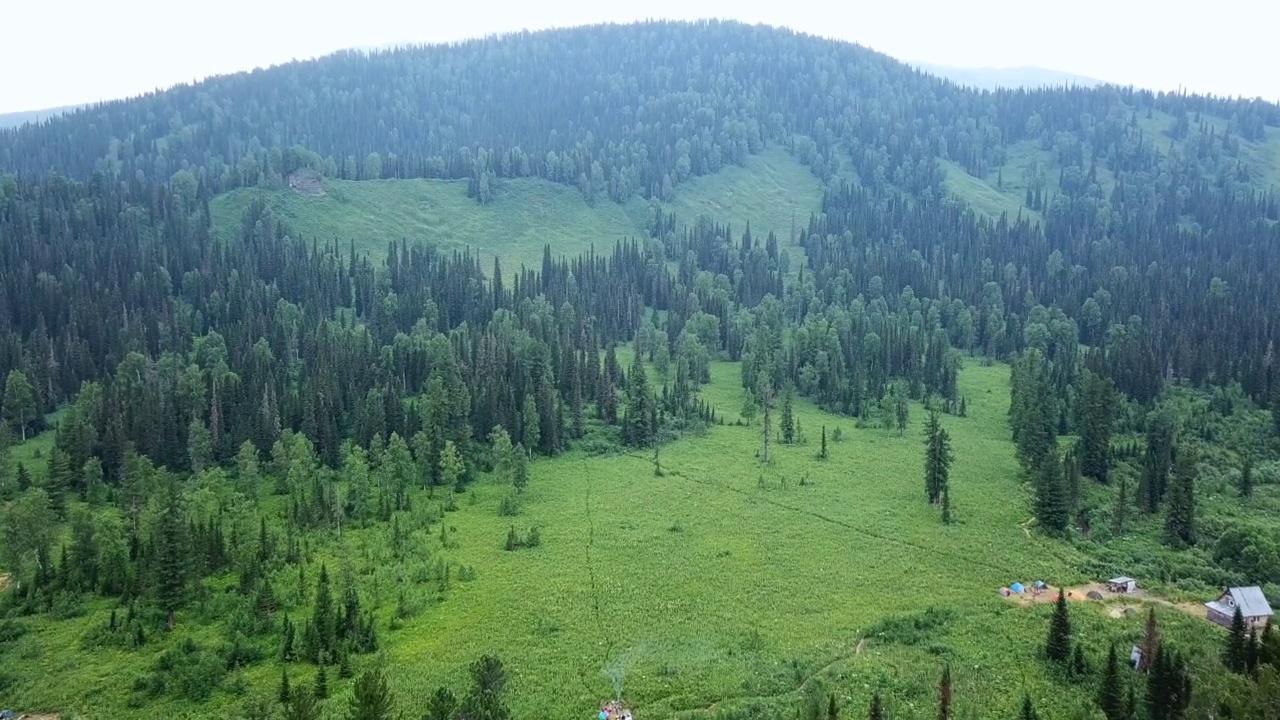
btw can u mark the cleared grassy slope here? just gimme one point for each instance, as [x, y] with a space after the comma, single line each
[524, 215]
[1004, 189]
[772, 191]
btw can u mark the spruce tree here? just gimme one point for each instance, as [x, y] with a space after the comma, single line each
[833, 709]
[937, 464]
[371, 699]
[877, 708]
[323, 618]
[1096, 396]
[1180, 517]
[1058, 646]
[173, 554]
[1051, 497]
[321, 690]
[787, 421]
[1235, 656]
[638, 427]
[1246, 478]
[1150, 641]
[1111, 693]
[284, 685]
[822, 453]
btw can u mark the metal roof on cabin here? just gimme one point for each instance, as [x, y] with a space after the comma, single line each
[1120, 580]
[1250, 600]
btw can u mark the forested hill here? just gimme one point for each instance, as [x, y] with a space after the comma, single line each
[619, 110]
[241, 411]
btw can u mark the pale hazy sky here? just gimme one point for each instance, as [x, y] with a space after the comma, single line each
[61, 52]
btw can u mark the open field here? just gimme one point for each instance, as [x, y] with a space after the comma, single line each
[525, 214]
[710, 588]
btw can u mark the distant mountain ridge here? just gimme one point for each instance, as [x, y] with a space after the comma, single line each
[1028, 76]
[17, 119]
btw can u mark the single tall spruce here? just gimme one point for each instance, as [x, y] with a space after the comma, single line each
[822, 453]
[1246, 478]
[787, 423]
[1180, 515]
[937, 463]
[1236, 655]
[1051, 497]
[1058, 646]
[173, 554]
[1111, 693]
[1096, 396]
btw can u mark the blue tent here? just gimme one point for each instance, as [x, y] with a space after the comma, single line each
[1017, 587]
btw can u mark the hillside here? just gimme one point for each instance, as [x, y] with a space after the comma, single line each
[772, 191]
[972, 339]
[524, 215]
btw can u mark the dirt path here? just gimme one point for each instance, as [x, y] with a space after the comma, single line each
[1134, 600]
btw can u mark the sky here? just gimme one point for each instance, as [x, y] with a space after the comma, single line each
[65, 52]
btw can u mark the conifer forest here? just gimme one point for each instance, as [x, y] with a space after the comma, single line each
[253, 471]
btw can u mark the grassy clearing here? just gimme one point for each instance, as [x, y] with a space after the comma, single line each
[524, 216]
[714, 587]
[773, 191]
[527, 214]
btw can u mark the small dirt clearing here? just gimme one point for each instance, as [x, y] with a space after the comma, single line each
[4, 583]
[1129, 601]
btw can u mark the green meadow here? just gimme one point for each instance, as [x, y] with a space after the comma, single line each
[718, 585]
[770, 191]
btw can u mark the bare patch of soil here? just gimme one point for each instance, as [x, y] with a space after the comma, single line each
[1133, 600]
[306, 183]
[4, 582]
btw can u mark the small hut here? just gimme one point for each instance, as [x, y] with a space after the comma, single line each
[1124, 585]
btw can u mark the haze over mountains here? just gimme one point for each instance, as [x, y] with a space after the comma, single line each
[1028, 76]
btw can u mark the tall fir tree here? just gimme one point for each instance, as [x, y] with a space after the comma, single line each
[1236, 654]
[639, 430]
[1096, 398]
[1058, 646]
[1157, 459]
[173, 554]
[787, 416]
[937, 463]
[1111, 692]
[876, 711]
[1180, 515]
[1051, 497]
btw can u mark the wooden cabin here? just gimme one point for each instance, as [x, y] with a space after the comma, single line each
[1252, 603]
